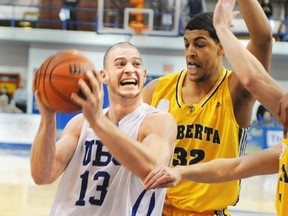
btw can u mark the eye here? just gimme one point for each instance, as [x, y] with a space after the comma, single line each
[119, 64]
[137, 64]
[199, 45]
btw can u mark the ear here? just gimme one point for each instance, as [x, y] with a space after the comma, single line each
[104, 75]
[145, 75]
[220, 50]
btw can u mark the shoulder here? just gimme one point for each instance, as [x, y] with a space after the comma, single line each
[154, 85]
[160, 124]
[161, 118]
[75, 125]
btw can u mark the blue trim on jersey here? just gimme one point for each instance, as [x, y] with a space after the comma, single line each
[152, 204]
[138, 201]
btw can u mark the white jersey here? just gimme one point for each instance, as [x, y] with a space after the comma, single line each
[94, 183]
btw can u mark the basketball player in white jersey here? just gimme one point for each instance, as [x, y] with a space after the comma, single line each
[104, 155]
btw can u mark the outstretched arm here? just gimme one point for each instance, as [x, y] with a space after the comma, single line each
[261, 37]
[260, 46]
[248, 69]
[218, 170]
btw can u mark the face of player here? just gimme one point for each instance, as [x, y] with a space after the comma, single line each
[203, 55]
[125, 75]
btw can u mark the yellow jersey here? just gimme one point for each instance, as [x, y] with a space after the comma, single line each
[282, 188]
[206, 131]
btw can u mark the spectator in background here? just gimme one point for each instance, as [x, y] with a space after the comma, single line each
[267, 8]
[265, 117]
[196, 6]
[4, 93]
[19, 98]
[167, 8]
[70, 6]
[5, 107]
[260, 112]
[155, 5]
[268, 119]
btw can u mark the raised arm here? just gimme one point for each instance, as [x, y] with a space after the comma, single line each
[248, 69]
[261, 37]
[218, 170]
[49, 159]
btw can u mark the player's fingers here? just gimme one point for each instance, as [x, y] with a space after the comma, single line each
[99, 81]
[85, 91]
[157, 178]
[161, 182]
[235, 14]
[150, 175]
[76, 99]
[94, 80]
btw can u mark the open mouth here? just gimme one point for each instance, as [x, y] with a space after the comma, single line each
[128, 82]
[193, 65]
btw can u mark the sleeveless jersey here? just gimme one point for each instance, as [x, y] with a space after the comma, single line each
[206, 131]
[282, 188]
[94, 183]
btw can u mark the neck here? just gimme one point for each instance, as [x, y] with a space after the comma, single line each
[118, 111]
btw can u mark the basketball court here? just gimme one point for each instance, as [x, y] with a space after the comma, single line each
[19, 196]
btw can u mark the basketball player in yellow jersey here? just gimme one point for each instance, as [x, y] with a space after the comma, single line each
[265, 89]
[212, 108]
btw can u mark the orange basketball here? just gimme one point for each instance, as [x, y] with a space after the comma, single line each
[58, 77]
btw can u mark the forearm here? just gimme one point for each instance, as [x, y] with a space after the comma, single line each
[43, 151]
[256, 21]
[129, 152]
[215, 171]
[261, 37]
[229, 169]
[249, 71]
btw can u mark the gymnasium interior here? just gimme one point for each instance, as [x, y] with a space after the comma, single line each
[32, 30]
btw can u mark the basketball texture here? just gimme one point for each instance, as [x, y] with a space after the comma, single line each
[57, 78]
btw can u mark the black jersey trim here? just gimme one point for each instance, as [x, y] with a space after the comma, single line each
[178, 87]
[242, 136]
[216, 88]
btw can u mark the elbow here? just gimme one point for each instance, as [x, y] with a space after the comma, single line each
[252, 84]
[37, 179]
[249, 82]
[40, 179]
[267, 36]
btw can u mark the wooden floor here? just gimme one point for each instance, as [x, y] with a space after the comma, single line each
[19, 196]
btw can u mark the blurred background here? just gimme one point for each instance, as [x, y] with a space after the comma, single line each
[32, 30]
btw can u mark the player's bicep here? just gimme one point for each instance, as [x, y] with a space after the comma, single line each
[66, 145]
[160, 137]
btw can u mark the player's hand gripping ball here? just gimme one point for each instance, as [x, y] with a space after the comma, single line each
[57, 79]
